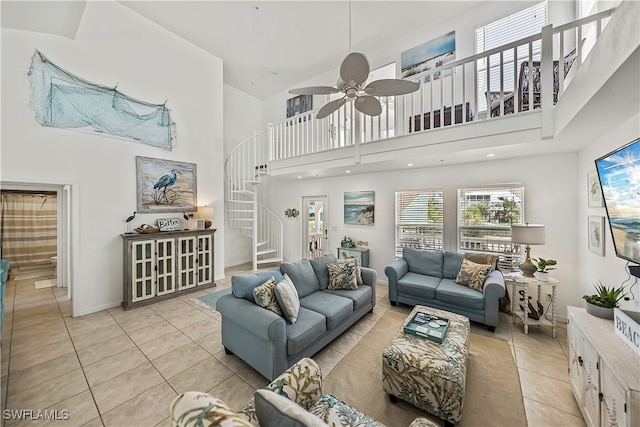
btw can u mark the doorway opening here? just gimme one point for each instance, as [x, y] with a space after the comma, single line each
[51, 225]
[315, 222]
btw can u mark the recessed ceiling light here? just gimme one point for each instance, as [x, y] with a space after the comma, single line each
[263, 77]
[409, 164]
[490, 155]
[275, 72]
[347, 171]
[299, 177]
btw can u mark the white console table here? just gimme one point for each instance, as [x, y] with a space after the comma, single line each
[523, 283]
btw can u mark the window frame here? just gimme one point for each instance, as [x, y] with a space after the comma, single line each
[422, 239]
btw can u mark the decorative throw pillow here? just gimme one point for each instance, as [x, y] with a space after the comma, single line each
[483, 259]
[288, 299]
[265, 296]
[274, 410]
[209, 410]
[342, 274]
[473, 275]
[358, 270]
[335, 412]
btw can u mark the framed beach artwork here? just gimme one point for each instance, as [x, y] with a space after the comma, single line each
[596, 234]
[420, 59]
[165, 185]
[359, 207]
[594, 190]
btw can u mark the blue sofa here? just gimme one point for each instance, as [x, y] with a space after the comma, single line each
[271, 344]
[426, 277]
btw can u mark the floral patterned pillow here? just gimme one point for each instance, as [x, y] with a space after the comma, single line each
[342, 274]
[473, 275]
[192, 407]
[265, 296]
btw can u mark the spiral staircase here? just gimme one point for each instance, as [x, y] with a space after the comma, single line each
[245, 167]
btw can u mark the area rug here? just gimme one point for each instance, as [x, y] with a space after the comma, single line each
[209, 301]
[493, 395]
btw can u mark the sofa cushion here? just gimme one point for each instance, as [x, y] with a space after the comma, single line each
[335, 412]
[302, 276]
[210, 410]
[418, 285]
[319, 266]
[334, 307]
[459, 295]
[265, 296]
[288, 300]
[274, 410]
[360, 296]
[423, 261]
[473, 275]
[451, 265]
[242, 285]
[342, 274]
[309, 326]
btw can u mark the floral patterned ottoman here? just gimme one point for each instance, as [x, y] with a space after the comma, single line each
[426, 374]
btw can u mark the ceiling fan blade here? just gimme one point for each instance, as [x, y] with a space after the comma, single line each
[368, 105]
[391, 87]
[354, 69]
[314, 90]
[330, 107]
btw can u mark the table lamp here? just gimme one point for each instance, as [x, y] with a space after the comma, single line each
[527, 234]
[205, 213]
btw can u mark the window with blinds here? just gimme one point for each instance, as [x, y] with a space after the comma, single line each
[485, 215]
[509, 29]
[419, 220]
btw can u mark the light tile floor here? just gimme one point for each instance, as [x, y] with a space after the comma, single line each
[123, 368]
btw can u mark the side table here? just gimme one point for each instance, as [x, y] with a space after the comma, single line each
[523, 283]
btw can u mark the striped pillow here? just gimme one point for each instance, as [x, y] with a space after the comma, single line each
[288, 299]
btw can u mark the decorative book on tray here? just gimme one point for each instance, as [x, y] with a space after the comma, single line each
[427, 326]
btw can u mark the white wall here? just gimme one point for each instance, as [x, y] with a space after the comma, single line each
[550, 199]
[242, 118]
[114, 46]
[610, 269]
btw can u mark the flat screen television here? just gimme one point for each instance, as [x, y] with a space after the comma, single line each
[619, 175]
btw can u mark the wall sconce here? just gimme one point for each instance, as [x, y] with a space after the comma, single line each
[292, 213]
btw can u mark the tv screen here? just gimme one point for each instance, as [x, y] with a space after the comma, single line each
[619, 175]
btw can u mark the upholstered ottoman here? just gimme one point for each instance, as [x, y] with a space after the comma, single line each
[426, 374]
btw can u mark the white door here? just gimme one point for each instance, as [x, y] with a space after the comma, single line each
[315, 223]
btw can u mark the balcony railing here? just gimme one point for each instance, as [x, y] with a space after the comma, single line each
[513, 79]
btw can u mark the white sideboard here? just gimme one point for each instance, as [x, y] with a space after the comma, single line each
[604, 372]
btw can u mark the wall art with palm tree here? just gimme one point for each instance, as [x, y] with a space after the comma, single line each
[165, 185]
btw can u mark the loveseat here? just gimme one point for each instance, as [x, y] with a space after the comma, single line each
[449, 281]
[294, 398]
[270, 342]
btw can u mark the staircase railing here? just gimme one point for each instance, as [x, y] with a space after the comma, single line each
[244, 168]
[484, 86]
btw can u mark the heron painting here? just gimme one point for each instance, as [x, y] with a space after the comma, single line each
[165, 185]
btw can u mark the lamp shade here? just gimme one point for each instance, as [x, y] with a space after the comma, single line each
[205, 212]
[528, 234]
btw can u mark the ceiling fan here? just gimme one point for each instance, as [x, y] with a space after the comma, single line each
[353, 75]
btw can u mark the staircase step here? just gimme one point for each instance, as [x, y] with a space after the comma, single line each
[269, 260]
[262, 243]
[266, 251]
[247, 192]
[239, 201]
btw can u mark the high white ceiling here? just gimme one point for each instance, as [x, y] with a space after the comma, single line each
[266, 46]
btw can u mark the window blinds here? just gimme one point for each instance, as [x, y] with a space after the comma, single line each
[511, 28]
[419, 219]
[485, 215]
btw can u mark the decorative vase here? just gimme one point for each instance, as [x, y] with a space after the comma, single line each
[597, 311]
[542, 276]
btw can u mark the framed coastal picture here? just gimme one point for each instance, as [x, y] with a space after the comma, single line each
[596, 234]
[165, 185]
[594, 191]
[434, 53]
[359, 207]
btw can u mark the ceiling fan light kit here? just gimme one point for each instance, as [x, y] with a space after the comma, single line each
[353, 75]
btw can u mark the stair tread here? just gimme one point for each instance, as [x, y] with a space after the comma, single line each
[269, 260]
[266, 251]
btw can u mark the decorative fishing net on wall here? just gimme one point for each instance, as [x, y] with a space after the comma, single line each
[63, 100]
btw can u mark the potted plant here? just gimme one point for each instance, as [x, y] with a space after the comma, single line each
[543, 265]
[602, 303]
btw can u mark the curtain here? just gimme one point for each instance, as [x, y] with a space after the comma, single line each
[29, 229]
